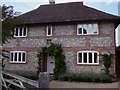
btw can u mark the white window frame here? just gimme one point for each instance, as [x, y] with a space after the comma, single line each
[17, 57]
[83, 27]
[88, 57]
[19, 32]
[50, 30]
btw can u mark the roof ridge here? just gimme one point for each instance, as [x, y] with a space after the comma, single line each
[81, 2]
[66, 12]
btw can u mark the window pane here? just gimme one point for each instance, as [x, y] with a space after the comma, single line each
[49, 30]
[95, 26]
[11, 56]
[24, 32]
[84, 31]
[80, 57]
[79, 30]
[15, 58]
[95, 58]
[23, 57]
[20, 32]
[90, 57]
[85, 57]
[16, 32]
[19, 57]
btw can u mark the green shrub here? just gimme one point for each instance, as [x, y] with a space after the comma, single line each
[30, 76]
[102, 78]
[57, 51]
[105, 78]
[107, 61]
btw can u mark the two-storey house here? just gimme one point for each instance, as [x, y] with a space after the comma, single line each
[84, 33]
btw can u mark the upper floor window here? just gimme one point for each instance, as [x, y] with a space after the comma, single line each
[87, 57]
[87, 29]
[49, 30]
[20, 32]
[17, 56]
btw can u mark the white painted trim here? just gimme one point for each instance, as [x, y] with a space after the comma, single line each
[81, 26]
[50, 30]
[17, 56]
[19, 32]
[88, 58]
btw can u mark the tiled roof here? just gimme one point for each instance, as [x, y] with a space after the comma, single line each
[65, 12]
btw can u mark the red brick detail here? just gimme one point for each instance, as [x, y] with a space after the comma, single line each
[87, 46]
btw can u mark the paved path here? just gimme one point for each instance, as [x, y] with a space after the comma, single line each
[60, 84]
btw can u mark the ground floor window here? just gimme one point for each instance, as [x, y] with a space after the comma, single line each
[17, 57]
[87, 57]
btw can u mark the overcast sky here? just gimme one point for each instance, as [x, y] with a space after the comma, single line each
[109, 6]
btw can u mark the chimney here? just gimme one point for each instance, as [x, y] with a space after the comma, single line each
[51, 2]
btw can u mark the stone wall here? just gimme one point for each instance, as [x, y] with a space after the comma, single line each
[10, 43]
[71, 67]
[67, 36]
[30, 67]
[106, 28]
[64, 30]
[70, 42]
[37, 31]
[33, 42]
[101, 41]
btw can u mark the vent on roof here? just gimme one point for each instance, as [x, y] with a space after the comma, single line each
[51, 1]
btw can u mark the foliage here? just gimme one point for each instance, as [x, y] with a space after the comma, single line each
[7, 22]
[7, 27]
[39, 64]
[29, 76]
[86, 77]
[107, 61]
[56, 51]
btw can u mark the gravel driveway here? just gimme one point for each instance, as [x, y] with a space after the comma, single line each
[60, 84]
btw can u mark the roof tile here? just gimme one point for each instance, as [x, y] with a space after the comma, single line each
[65, 12]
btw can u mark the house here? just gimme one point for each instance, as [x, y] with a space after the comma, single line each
[84, 33]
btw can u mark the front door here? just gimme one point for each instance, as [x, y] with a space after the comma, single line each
[50, 64]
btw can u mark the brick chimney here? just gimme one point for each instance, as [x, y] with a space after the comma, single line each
[51, 2]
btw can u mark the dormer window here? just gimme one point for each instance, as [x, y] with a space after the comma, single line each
[49, 30]
[20, 32]
[87, 29]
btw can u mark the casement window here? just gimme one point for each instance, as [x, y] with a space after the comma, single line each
[87, 57]
[87, 29]
[49, 30]
[17, 57]
[20, 32]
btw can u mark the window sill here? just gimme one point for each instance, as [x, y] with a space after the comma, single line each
[87, 34]
[19, 36]
[17, 62]
[92, 64]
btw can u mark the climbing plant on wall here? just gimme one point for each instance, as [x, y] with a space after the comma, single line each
[56, 51]
[107, 61]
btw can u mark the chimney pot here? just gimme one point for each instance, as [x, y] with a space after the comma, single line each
[51, 2]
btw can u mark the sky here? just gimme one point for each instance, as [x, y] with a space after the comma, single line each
[110, 6]
[23, 6]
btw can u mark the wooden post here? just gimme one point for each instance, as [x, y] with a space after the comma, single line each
[44, 80]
